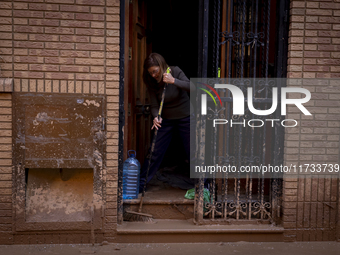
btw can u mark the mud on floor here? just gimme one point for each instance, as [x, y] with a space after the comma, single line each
[301, 248]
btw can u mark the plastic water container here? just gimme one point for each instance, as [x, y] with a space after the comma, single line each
[131, 173]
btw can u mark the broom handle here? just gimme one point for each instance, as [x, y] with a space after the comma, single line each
[153, 146]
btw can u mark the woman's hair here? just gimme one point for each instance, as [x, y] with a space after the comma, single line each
[154, 59]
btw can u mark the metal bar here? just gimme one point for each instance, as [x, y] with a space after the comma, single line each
[243, 37]
[205, 38]
[267, 42]
[230, 41]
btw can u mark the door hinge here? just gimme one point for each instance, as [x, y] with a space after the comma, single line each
[130, 53]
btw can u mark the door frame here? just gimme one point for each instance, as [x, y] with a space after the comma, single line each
[127, 118]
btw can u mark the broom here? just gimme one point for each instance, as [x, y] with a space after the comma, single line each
[139, 216]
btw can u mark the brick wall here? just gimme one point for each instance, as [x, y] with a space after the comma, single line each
[5, 168]
[311, 204]
[59, 46]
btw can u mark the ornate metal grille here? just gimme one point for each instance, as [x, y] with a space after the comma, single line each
[240, 46]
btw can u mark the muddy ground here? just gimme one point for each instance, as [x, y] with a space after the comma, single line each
[300, 248]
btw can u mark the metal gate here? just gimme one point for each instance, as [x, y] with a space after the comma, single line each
[238, 41]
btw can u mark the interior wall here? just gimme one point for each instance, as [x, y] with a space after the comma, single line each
[174, 35]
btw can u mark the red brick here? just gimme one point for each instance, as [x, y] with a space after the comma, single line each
[44, 7]
[95, 32]
[312, 68]
[99, 24]
[82, 69]
[20, 6]
[18, 21]
[28, 14]
[328, 48]
[90, 2]
[6, 13]
[92, 77]
[6, 20]
[329, 33]
[115, 10]
[96, 39]
[75, 54]
[28, 75]
[113, 3]
[55, 45]
[317, 40]
[59, 30]
[318, 26]
[318, 12]
[297, 11]
[58, 60]
[112, 18]
[45, 67]
[5, 5]
[6, 28]
[60, 1]
[74, 23]
[326, 158]
[53, 53]
[28, 29]
[309, 61]
[83, 46]
[59, 15]
[43, 37]
[317, 54]
[328, 61]
[97, 54]
[28, 59]
[60, 76]
[96, 9]
[94, 17]
[330, 6]
[74, 8]
[311, 5]
[5, 36]
[113, 25]
[330, 20]
[28, 44]
[44, 22]
[312, 19]
[32, 1]
[73, 38]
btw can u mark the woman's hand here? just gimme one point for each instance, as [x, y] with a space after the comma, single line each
[167, 78]
[156, 123]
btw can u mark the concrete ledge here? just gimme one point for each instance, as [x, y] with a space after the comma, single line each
[187, 231]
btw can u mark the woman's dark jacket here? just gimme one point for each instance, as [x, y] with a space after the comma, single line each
[176, 101]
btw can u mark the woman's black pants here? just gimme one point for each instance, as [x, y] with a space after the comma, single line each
[165, 133]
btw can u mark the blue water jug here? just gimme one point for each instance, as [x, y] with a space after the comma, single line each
[131, 169]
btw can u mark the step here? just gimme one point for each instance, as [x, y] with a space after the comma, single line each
[163, 202]
[178, 231]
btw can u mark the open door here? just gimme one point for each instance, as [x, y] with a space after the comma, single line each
[137, 110]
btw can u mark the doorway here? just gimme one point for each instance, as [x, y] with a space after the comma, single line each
[169, 28]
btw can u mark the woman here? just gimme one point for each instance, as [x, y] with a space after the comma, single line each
[177, 109]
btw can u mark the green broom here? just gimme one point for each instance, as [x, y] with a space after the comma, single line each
[139, 216]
